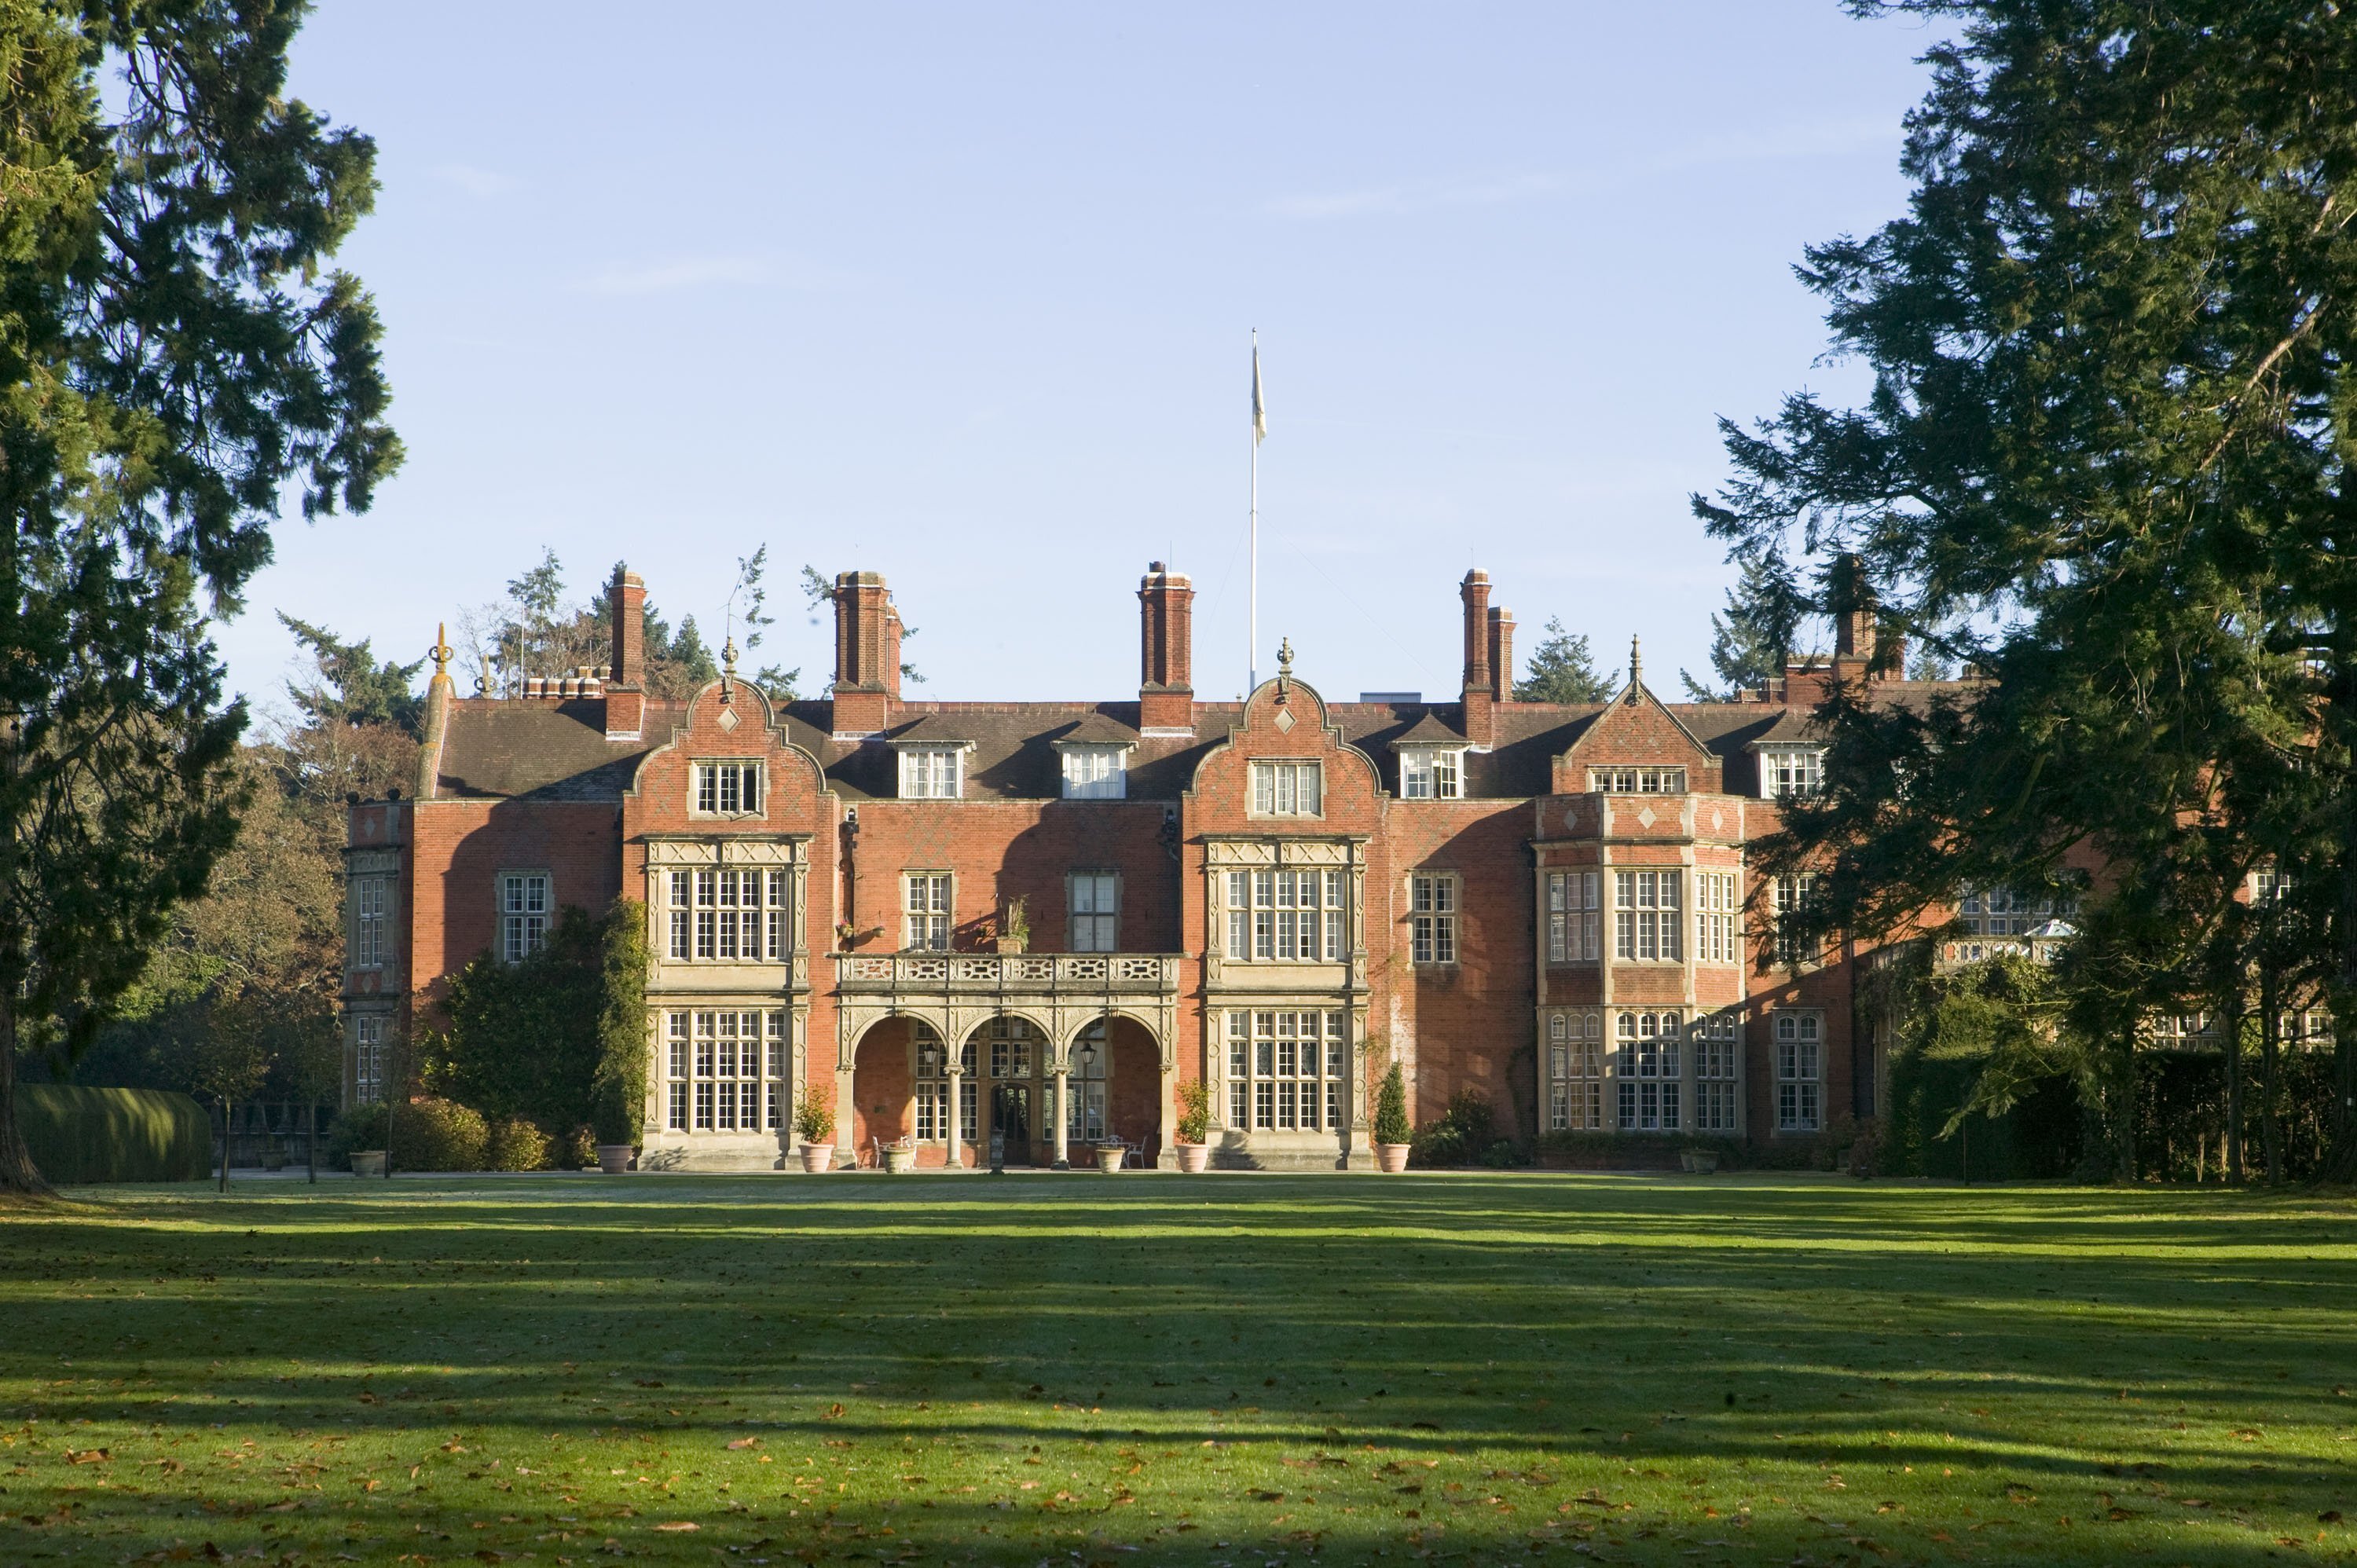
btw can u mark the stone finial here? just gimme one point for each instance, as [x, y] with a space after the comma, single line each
[729, 668]
[1636, 670]
[1284, 671]
[441, 650]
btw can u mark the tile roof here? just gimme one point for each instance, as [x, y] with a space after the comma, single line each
[539, 750]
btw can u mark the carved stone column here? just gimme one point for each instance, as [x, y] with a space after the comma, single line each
[1063, 1117]
[957, 1108]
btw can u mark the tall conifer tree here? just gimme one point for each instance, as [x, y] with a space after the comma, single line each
[2104, 462]
[174, 357]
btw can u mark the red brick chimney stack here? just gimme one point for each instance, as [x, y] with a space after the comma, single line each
[1501, 655]
[1166, 686]
[626, 690]
[1479, 699]
[866, 646]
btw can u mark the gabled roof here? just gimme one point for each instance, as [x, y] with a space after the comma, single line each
[1428, 731]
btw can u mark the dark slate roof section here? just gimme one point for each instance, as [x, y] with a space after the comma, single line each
[558, 751]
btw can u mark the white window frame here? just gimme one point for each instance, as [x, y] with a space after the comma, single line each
[725, 1070]
[1288, 1069]
[1647, 1061]
[933, 772]
[369, 1057]
[1717, 1069]
[1648, 914]
[1432, 772]
[1288, 787]
[727, 914]
[1576, 1070]
[1789, 893]
[928, 910]
[1791, 772]
[727, 786]
[1093, 901]
[525, 907]
[1798, 1039]
[1574, 906]
[370, 906]
[1718, 917]
[1286, 915]
[1095, 772]
[1434, 903]
[1635, 780]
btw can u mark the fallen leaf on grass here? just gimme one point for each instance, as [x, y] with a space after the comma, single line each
[743, 1442]
[679, 1524]
[88, 1455]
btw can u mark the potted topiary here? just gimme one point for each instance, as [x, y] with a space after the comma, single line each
[1194, 1127]
[1393, 1134]
[1013, 930]
[814, 1125]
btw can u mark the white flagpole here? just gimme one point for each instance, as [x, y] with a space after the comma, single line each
[1252, 659]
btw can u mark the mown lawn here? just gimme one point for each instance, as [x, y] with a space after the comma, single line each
[1078, 1369]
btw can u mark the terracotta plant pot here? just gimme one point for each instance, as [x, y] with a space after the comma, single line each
[614, 1158]
[817, 1158]
[368, 1162]
[1109, 1159]
[1194, 1158]
[1391, 1158]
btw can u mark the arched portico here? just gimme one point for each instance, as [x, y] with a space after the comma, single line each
[1014, 1069]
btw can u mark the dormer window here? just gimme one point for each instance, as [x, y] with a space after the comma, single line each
[933, 773]
[1432, 773]
[1095, 772]
[1637, 781]
[1789, 772]
[727, 789]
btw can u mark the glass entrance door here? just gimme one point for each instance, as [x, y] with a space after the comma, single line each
[1010, 1114]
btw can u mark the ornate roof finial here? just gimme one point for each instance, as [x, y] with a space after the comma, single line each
[1284, 668]
[1636, 670]
[441, 650]
[729, 668]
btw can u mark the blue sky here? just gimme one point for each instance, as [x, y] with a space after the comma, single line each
[960, 294]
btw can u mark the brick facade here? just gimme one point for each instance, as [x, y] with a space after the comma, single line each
[1277, 897]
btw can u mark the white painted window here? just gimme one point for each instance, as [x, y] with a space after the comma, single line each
[925, 901]
[367, 923]
[1637, 781]
[1287, 788]
[1792, 894]
[727, 789]
[368, 1058]
[1576, 1071]
[1431, 773]
[1648, 923]
[1787, 771]
[723, 913]
[2001, 912]
[1799, 1050]
[1095, 772]
[1288, 1071]
[1573, 916]
[725, 1070]
[932, 1082]
[1432, 912]
[1087, 1118]
[931, 773]
[1286, 915]
[1095, 900]
[1717, 918]
[1646, 1061]
[1716, 1057]
[523, 913]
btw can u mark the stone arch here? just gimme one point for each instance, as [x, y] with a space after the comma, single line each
[875, 1083]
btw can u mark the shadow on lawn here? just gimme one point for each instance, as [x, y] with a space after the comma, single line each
[1574, 1324]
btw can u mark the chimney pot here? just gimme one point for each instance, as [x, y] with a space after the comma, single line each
[627, 602]
[1166, 688]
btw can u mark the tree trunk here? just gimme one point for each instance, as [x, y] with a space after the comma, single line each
[2123, 1113]
[2230, 1154]
[225, 1130]
[311, 1142]
[17, 1172]
[2270, 1058]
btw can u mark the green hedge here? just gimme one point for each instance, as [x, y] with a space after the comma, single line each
[80, 1135]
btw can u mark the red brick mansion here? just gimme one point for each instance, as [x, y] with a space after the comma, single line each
[1041, 919]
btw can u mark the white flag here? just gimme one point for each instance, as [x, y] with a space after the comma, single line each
[1260, 405]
